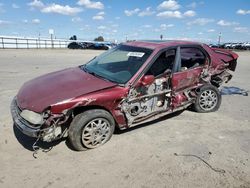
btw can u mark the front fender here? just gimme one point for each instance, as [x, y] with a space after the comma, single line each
[108, 99]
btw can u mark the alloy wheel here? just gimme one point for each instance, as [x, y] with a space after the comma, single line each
[96, 132]
[208, 100]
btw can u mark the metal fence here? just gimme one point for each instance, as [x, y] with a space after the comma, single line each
[31, 43]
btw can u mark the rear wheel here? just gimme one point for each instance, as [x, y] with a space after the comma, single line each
[208, 99]
[91, 129]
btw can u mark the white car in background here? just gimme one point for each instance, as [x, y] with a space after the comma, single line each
[246, 45]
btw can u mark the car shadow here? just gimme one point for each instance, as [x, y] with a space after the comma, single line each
[27, 142]
[118, 131]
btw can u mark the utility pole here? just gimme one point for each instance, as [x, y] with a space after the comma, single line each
[51, 32]
[219, 38]
[39, 35]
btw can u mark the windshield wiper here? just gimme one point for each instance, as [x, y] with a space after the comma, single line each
[102, 77]
[88, 71]
[83, 67]
[97, 75]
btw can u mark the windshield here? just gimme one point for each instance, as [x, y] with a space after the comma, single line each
[118, 64]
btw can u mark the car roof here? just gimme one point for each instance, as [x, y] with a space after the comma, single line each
[153, 44]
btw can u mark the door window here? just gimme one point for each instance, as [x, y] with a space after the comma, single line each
[191, 58]
[163, 63]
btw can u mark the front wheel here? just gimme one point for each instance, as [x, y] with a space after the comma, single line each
[91, 129]
[208, 99]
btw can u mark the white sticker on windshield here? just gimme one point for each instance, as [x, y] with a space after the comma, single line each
[136, 54]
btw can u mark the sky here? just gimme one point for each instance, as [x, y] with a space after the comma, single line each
[119, 20]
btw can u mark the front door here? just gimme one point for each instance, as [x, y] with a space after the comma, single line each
[146, 100]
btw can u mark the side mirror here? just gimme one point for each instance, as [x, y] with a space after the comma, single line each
[147, 80]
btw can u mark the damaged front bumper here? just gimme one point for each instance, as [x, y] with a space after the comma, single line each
[23, 125]
[50, 133]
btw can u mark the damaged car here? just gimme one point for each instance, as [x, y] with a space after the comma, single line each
[128, 85]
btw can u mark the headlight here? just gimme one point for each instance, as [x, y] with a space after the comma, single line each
[32, 117]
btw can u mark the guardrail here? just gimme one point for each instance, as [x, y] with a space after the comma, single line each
[38, 43]
[31, 43]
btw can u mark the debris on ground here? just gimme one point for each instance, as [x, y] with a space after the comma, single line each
[233, 91]
[197, 157]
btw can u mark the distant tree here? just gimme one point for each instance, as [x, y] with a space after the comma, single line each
[73, 37]
[100, 38]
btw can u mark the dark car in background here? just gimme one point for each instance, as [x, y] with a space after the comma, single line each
[77, 45]
[91, 45]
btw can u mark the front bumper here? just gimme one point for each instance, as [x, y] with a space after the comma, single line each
[24, 126]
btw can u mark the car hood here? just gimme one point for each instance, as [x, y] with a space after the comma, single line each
[38, 94]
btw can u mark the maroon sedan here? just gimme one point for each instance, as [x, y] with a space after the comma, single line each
[128, 85]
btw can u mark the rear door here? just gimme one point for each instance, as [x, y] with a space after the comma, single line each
[189, 64]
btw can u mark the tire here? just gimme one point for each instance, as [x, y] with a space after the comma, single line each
[91, 129]
[208, 99]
